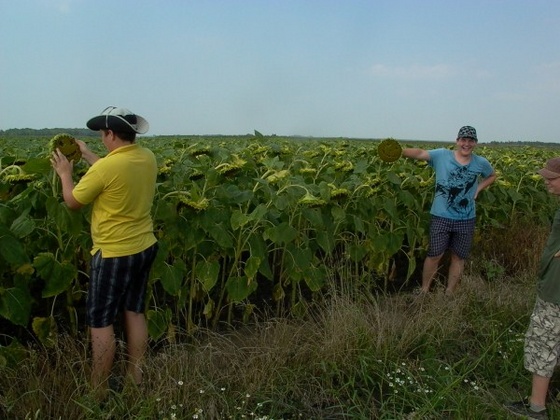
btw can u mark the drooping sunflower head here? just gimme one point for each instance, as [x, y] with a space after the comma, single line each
[67, 146]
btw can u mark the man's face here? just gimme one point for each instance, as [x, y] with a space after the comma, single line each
[552, 185]
[465, 145]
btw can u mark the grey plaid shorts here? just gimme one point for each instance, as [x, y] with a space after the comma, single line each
[456, 235]
[542, 340]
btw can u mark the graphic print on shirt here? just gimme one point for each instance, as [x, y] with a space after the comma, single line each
[458, 190]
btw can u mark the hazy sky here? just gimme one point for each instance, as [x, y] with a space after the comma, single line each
[411, 69]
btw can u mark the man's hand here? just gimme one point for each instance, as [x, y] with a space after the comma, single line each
[63, 168]
[87, 154]
[61, 165]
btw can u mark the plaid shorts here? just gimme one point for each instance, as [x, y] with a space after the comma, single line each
[117, 283]
[456, 235]
[542, 340]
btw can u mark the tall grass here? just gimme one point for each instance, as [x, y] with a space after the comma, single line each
[357, 354]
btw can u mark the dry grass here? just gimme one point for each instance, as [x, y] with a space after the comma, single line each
[322, 366]
[516, 249]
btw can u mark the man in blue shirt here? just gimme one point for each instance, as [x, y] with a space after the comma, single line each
[453, 208]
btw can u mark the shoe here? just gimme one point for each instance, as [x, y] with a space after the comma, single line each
[523, 409]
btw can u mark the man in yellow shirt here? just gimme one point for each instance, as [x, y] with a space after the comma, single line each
[121, 189]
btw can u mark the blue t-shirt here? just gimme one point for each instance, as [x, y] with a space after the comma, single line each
[456, 184]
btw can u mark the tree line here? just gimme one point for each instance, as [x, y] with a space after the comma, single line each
[46, 132]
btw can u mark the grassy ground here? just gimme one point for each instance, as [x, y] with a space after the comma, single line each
[357, 355]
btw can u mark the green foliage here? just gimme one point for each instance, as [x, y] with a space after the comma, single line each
[15, 305]
[247, 222]
[46, 330]
[12, 355]
[11, 249]
[58, 275]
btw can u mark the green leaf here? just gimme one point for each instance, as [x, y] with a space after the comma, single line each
[302, 258]
[338, 214]
[12, 355]
[259, 250]
[411, 266]
[252, 267]
[67, 220]
[281, 234]
[390, 206]
[209, 308]
[23, 225]
[393, 178]
[259, 213]
[158, 322]
[238, 219]
[299, 310]
[314, 216]
[58, 276]
[37, 166]
[46, 330]
[61, 280]
[315, 278]
[11, 248]
[387, 243]
[358, 223]
[172, 277]
[240, 288]
[278, 292]
[515, 195]
[357, 252]
[407, 198]
[15, 305]
[394, 241]
[44, 263]
[258, 247]
[281, 202]
[207, 273]
[220, 234]
[326, 240]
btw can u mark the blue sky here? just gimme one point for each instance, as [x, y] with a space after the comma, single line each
[410, 69]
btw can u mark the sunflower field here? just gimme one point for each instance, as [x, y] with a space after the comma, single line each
[245, 224]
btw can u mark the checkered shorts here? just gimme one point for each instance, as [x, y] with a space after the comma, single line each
[542, 340]
[456, 235]
[117, 283]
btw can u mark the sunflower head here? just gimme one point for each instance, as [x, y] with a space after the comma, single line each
[67, 146]
[389, 150]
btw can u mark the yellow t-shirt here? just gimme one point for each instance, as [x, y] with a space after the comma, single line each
[121, 187]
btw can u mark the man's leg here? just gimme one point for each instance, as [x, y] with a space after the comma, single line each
[456, 268]
[539, 390]
[103, 353]
[137, 342]
[541, 348]
[431, 265]
[461, 243]
[439, 242]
